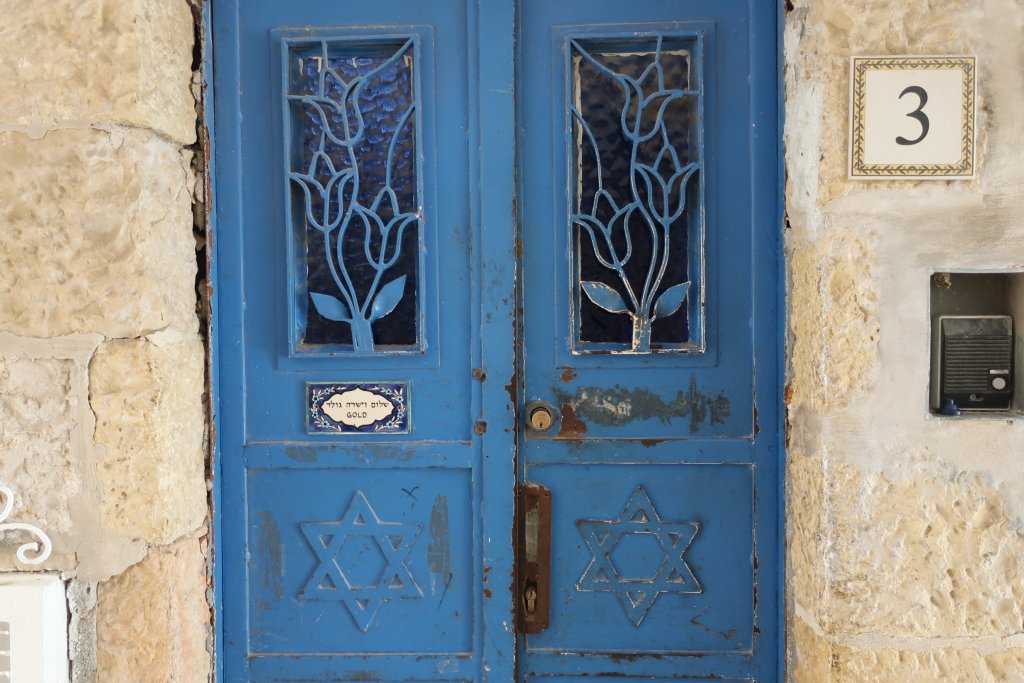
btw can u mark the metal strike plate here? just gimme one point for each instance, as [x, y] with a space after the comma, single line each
[533, 573]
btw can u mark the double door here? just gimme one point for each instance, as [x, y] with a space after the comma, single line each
[497, 340]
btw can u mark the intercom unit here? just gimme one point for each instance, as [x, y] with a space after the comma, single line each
[973, 362]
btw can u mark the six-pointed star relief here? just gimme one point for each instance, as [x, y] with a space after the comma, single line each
[330, 581]
[637, 595]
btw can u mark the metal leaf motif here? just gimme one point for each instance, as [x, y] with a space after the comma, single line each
[604, 296]
[330, 307]
[388, 297]
[670, 300]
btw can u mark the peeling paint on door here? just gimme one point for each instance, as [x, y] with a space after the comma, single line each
[438, 551]
[619, 406]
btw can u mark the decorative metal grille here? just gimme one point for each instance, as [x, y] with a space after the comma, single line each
[355, 190]
[636, 158]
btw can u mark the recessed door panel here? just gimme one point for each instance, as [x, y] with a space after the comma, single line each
[659, 556]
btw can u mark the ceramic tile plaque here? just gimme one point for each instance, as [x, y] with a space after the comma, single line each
[357, 407]
[912, 117]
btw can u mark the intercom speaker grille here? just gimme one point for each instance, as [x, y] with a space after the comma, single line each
[969, 360]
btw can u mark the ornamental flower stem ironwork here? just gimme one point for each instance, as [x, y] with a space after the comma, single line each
[333, 207]
[32, 552]
[657, 201]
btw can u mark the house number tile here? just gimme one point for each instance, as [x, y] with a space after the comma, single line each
[912, 117]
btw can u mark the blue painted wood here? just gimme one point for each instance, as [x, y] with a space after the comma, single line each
[388, 556]
[366, 556]
[664, 466]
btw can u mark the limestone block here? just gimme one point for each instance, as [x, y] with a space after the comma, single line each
[805, 531]
[938, 665]
[808, 655]
[36, 425]
[834, 329]
[932, 555]
[148, 400]
[97, 234]
[153, 619]
[69, 62]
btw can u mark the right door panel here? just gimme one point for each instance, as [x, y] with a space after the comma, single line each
[649, 209]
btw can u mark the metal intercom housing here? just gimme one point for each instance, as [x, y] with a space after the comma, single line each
[972, 362]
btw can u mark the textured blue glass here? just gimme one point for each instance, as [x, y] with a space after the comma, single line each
[636, 157]
[353, 111]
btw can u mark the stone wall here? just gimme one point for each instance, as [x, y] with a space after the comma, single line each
[102, 409]
[905, 546]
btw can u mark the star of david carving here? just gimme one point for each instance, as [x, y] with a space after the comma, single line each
[637, 595]
[330, 580]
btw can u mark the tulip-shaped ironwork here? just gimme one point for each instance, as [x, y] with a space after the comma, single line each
[656, 201]
[331, 190]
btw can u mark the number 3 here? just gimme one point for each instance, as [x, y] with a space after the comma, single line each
[917, 114]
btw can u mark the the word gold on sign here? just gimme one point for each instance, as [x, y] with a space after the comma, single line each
[357, 408]
[912, 117]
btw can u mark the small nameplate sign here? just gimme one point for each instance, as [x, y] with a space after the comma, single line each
[357, 407]
[912, 117]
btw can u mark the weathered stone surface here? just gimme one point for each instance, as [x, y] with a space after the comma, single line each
[73, 62]
[886, 665]
[97, 234]
[810, 655]
[148, 400]
[833, 324]
[36, 425]
[821, 659]
[904, 530]
[829, 34]
[153, 619]
[929, 554]
[806, 517]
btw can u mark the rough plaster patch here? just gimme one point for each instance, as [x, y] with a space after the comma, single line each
[152, 619]
[36, 421]
[97, 234]
[123, 61]
[71, 510]
[148, 400]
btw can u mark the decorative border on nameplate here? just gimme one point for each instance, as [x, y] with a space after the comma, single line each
[860, 66]
[357, 408]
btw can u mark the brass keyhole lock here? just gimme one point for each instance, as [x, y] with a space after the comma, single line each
[531, 599]
[540, 416]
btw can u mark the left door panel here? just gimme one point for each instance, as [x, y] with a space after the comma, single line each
[348, 330]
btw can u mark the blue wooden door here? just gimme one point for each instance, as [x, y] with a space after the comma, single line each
[649, 210]
[378, 169]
